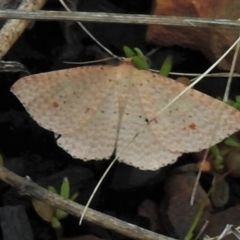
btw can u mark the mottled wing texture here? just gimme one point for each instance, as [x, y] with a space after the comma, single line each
[194, 122]
[145, 151]
[88, 106]
[74, 103]
[96, 138]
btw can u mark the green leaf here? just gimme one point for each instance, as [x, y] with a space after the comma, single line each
[140, 63]
[140, 60]
[235, 104]
[218, 161]
[74, 196]
[215, 151]
[166, 66]
[238, 99]
[52, 189]
[65, 188]
[230, 102]
[219, 166]
[139, 53]
[129, 53]
[55, 223]
[60, 214]
[232, 142]
[190, 233]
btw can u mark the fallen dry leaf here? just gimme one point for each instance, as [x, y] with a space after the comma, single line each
[211, 42]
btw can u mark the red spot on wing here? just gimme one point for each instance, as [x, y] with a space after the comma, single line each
[55, 104]
[192, 126]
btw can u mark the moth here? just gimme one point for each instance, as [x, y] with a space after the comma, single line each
[97, 109]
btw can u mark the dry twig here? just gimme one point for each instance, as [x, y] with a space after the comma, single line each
[12, 29]
[27, 187]
[121, 18]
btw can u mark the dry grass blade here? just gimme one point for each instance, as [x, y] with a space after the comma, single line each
[229, 229]
[12, 66]
[88, 33]
[235, 232]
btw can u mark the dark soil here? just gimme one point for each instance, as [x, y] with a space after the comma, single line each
[30, 150]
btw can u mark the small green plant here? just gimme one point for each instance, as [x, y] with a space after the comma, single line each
[142, 63]
[139, 60]
[235, 104]
[218, 161]
[232, 141]
[51, 214]
[166, 66]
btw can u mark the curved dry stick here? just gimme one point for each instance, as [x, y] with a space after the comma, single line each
[13, 29]
[27, 187]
